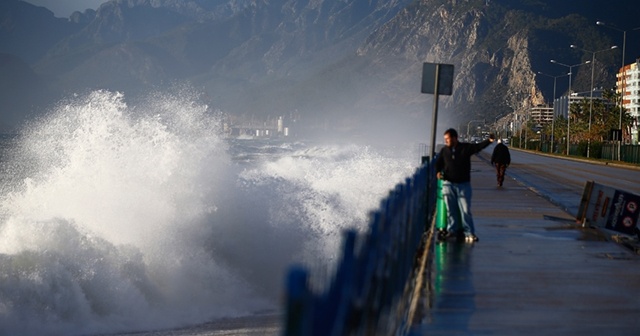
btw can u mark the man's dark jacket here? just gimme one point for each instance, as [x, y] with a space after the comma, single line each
[455, 163]
[501, 155]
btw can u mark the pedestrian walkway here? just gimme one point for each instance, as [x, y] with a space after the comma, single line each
[533, 272]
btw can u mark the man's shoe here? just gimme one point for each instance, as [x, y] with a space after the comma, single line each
[471, 238]
[442, 235]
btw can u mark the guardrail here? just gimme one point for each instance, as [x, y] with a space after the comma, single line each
[372, 288]
[604, 151]
[630, 153]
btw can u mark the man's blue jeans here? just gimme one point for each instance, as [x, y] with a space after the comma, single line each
[457, 197]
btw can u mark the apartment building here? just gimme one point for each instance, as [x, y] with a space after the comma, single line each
[628, 80]
[541, 114]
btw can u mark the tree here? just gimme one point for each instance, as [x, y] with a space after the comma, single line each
[627, 119]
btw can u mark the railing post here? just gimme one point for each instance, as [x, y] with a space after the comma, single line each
[429, 194]
[342, 306]
[298, 317]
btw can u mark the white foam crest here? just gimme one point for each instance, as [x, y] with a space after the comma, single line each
[111, 230]
[329, 189]
[109, 171]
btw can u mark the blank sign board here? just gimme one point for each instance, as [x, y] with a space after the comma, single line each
[445, 79]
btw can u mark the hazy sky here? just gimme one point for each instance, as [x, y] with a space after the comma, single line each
[64, 8]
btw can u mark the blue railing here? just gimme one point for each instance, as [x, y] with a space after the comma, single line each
[371, 290]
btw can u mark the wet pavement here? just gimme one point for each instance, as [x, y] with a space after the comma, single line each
[533, 272]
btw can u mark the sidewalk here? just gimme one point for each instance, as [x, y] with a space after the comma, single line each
[533, 272]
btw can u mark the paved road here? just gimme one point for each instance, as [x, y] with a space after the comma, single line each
[562, 181]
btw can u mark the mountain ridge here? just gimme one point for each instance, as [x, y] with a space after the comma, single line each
[339, 61]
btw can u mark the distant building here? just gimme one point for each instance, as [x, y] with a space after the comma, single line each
[561, 104]
[628, 79]
[257, 128]
[541, 114]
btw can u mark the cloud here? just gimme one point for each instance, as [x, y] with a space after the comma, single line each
[64, 8]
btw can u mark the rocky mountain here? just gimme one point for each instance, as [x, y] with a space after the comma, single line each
[497, 48]
[337, 63]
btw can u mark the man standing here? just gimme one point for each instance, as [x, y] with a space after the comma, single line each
[501, 159]
[453, 165]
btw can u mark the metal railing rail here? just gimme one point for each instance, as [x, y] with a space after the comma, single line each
[372, 285]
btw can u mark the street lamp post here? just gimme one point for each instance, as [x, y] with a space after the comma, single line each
[569, 95]
[593, 60]
[623, 80]
[553, 120]
[526, 125]
[469, 125]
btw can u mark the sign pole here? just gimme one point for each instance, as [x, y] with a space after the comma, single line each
[434, 125]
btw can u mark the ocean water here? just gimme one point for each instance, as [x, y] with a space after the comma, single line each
[119, 219]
